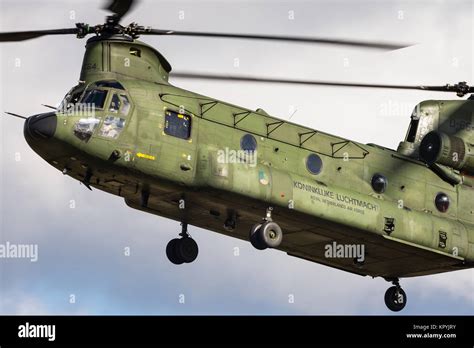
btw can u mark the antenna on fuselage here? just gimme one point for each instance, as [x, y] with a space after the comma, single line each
[15, 115]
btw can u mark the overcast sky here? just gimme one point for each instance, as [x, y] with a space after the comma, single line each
[81, 251]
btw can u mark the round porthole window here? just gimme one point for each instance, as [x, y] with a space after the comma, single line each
[248, 143]
[442, 202]
[379, 183]
[314, 164]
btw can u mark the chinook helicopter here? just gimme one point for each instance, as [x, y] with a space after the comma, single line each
[126, 130]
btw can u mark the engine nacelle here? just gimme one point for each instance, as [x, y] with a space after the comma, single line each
[450, 117]
[449, 150]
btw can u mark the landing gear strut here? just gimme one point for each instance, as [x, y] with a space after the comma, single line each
[395, 297]
[184, 249]
[267, 234]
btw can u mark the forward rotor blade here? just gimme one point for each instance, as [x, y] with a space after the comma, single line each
[340, 42]
[120, 7]
[27, 35]
[461, 88]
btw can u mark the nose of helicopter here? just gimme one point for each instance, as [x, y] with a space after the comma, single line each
[41, 126]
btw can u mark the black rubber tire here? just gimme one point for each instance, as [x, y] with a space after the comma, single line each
[395, 298]
[187, 249]
[270, 234]
[171, 253]
[255, 239]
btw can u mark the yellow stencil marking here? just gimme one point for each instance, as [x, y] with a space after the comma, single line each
[145, 156]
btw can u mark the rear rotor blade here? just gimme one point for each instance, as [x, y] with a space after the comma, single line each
[460, 88]
[27, 35]
[340, 42]
[120, 7]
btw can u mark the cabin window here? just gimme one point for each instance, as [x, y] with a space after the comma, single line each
[95, 97]
[112, 127]
[248, 143]
[177, 125]
[379, 183]
[314, 164]
[442, 202]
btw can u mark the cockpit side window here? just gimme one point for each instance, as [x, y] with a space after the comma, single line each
[71, 98]
[75, 97]
[119, 102]
[112, 127]
[116, 109]
[125, 104]
[95, 97]
[85, 127]
[114, 103]
[114, 123]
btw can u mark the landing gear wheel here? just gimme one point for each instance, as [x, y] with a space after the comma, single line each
[395, 298]
[254, 237]
[171, 252]
[182, 250]
[187, 249]
[270, 234]
[267, 234]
